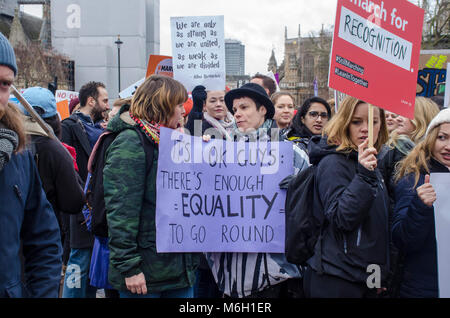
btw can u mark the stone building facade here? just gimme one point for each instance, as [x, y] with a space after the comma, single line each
[72, 31]
[30, 36]
[306, 60]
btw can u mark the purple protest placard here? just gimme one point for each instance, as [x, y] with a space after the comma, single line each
[220, 196]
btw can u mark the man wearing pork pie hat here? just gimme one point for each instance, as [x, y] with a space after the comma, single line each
[253, 112]
[252, 108]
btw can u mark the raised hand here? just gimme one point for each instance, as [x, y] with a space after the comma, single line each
[198, 97]
[426, 192]
[367, 156]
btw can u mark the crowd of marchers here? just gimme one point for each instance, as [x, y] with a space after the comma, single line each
[78, 198]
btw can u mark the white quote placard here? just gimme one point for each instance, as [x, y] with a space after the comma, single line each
[198, 50]
[63, 95]
[130, 90]
[441, 184]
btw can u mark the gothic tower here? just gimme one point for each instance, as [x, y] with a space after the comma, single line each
[272, 66]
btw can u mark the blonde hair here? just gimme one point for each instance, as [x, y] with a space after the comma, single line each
[337, 128]
[155, 100]
[276, 96]
[424, 111]
[332, 104]
[122, 101]
[417, 160]
[11, 117]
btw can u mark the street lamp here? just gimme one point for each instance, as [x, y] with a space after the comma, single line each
[119, 43]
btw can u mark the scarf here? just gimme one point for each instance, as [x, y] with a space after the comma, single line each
[9, 141]
[403, 144]
[261, 134]
[152, 130]
[222, 126]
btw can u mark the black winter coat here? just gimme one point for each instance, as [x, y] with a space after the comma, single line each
[74, 134]
[192, 117]
[387, 165]
[59, 179]
[355, 205]
[414, 234]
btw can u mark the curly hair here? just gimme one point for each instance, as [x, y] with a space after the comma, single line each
[89, 90]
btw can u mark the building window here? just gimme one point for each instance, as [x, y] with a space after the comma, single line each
[308, 69]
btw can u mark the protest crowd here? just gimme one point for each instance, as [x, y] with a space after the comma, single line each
[78, 199]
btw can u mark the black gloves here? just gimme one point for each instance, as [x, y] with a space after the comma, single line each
[198, 97]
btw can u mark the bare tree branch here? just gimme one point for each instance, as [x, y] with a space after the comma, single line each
[38, 66]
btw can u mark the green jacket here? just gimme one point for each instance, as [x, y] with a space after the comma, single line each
[131, 216]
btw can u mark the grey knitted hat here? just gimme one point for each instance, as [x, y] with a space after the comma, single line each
[7, 56]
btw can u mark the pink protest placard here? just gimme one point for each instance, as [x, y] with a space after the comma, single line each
[375, 54]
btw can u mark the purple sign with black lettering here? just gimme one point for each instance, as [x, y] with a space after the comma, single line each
[220, 196]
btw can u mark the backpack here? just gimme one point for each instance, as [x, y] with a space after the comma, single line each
[95, 211]
[303, 222]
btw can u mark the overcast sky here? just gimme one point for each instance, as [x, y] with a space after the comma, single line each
[258, 24]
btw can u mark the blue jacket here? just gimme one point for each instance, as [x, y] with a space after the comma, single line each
[413, 232]
[27, 217]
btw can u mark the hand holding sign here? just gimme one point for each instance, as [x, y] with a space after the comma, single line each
[367, 156]
[426, 192]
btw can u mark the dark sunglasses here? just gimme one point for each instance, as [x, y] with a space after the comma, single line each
[314, 114]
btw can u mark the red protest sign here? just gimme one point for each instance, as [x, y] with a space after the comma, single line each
[375, 54]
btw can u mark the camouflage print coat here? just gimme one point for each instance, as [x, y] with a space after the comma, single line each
[131, 216]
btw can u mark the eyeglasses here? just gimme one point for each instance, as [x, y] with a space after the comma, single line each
[314, 115]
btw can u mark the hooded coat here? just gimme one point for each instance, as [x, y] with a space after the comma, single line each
[130, 202]
[355, 202]
[55, 165]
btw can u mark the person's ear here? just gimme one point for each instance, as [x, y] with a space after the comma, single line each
[91, 101]
[263, 110]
